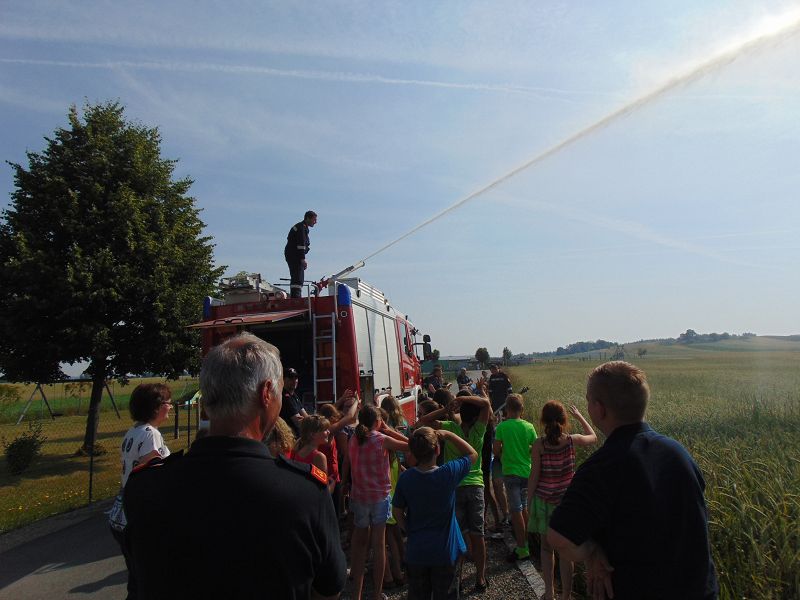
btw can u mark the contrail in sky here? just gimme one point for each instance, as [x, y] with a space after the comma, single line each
[332, 76]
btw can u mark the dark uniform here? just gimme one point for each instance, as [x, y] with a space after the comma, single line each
[290, 407]
[463, 379]
[499, 389]
[434, 380]
[640, 497]
[228, 521]
[297, 246]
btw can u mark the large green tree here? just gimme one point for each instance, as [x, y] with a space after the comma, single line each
[507, 354]
[102, 258]
[482, 356]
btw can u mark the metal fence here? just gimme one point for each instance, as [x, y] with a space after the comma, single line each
[53, 416]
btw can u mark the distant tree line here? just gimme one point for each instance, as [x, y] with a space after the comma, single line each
[690, 336]
[578, 347]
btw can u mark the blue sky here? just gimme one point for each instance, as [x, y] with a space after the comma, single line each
[377, 115]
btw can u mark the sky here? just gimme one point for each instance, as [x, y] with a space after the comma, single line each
[681, 213]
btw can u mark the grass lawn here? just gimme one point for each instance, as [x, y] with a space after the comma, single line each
[58, 480]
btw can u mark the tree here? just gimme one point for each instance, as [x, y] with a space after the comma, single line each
[102, 258]
[435, 355]
[506, 355]
[482, 356]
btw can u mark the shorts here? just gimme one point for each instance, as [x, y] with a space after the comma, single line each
[539, 515]
[497, 468]
[426, 582]
[517, 492]
[469, 508]
[366, 514]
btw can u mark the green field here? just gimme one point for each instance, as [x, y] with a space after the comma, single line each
[58, 480]
[735, 405]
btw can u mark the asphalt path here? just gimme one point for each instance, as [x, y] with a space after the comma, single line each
[70, 556]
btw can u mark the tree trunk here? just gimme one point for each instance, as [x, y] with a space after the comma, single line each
[93, 416]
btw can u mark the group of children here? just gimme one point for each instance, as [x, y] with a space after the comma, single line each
[429, 484]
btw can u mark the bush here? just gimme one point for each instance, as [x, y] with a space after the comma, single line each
[9, 394]
[25, 447]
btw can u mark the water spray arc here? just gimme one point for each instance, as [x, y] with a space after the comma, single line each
[787, 28]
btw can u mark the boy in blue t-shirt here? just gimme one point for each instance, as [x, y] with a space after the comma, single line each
[424, 505]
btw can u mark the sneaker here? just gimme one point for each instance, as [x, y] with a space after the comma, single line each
[480, 587]
[518, 554]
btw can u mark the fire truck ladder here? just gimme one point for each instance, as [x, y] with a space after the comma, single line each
[324, 333]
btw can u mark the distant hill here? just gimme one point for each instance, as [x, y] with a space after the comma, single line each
[745, 342]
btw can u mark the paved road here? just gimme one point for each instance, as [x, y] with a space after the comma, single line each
[79, 559]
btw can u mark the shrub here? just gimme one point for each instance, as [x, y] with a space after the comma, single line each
[24, 448]
[9, 394]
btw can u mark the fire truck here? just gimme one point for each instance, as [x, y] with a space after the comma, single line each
[348, 338]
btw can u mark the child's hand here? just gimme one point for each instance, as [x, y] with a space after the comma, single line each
[573, 410]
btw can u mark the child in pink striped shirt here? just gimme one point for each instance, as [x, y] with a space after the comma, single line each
[552, 468]
[370, 493]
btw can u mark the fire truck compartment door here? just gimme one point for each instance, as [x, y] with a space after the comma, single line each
[250, 319]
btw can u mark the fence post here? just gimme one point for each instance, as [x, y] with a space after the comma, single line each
[91, 468]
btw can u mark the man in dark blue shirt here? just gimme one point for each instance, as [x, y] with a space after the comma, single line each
[297, 246]
[635, 511]
[499, 387]
[292, 410]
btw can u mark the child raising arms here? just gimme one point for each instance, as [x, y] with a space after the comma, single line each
[552, 468]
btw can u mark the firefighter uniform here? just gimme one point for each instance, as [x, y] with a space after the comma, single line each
[499, 389]
[297, 245]
[228, 521]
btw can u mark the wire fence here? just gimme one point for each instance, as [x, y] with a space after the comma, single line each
[52, 417]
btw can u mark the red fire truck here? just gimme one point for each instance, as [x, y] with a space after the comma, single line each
[351, 338]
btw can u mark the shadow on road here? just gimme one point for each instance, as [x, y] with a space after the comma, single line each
[63, 553]
[118, 578]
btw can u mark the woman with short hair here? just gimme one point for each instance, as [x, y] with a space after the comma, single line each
[149, 406]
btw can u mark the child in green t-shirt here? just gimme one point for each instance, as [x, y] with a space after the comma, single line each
[513, 440]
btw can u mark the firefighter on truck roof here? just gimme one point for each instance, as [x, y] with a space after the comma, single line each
[297, 246]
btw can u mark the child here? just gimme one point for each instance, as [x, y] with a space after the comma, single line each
[335, 449]
[553, 465]
[313, 433]
[513, 440]
[395, 419]
[394, 538]
[424, 503]
[470, 424]
[369, 495]
[280, 440]
[394, 416]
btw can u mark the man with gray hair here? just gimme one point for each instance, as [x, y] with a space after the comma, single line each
[227, 520]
